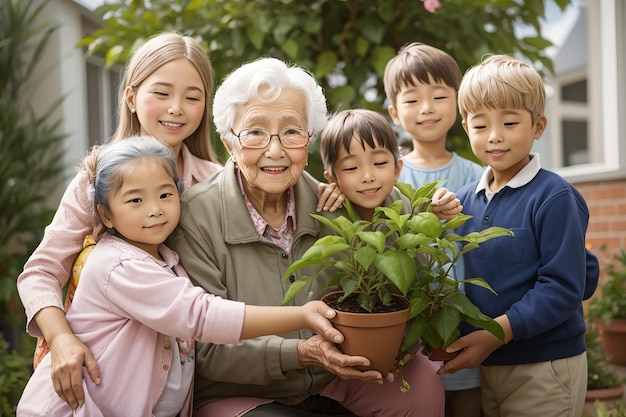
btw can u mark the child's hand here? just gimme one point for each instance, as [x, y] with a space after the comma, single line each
[445, 205]
[330, 197]
[474, 348]
[317, 317]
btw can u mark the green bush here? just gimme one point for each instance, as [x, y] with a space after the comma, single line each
[599, 373]
[611, 302]
[14, 373]
[31, 164]
[618, 409]
[30, 147]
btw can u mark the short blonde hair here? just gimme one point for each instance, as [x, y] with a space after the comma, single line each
[154, 53]
[502, 82]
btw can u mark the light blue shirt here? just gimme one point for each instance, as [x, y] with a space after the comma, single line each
[458, 172]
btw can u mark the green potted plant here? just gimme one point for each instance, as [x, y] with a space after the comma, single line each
[618, 409]
[608, 310]
[603, 382]
[399, 253]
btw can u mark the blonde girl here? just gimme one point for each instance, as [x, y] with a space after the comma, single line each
[165, 93]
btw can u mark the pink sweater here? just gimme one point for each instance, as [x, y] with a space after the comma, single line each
[48, 269]
[124, 308]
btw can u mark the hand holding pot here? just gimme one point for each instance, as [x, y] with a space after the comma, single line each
[319, 351]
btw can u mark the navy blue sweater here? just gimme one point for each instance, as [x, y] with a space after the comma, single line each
[539, 274]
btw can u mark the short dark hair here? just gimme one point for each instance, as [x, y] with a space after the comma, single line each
[366, 126]
[416, 62]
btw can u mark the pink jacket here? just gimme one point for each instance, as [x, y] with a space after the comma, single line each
[125, 307]
[48, 269]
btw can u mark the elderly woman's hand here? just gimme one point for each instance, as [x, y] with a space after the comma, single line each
[330, 197]
[319, 351]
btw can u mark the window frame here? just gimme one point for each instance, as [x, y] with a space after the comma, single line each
[606, 102]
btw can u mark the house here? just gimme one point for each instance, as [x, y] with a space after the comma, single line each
[585, 142]
[586, 138]
[89, 90]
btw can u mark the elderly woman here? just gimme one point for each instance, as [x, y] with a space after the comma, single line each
[242, 228]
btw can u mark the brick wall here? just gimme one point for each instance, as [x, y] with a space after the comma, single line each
[607, 223]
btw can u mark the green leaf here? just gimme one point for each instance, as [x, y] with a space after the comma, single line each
[537, 42]
[478, 282]
[446, 321]
[398, 267]
[326, 63]
[365, 256]
[291, 47]
[426, 223]
[114, 53]
[294, 289]
[375, 239]
[255, 36]
[457, 221]
[380, 57]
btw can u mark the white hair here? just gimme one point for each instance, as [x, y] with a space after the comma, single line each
[264, 79]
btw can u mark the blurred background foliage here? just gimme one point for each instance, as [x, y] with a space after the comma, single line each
[31, 166]
[345, 43]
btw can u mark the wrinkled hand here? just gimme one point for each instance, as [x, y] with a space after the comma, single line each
[445, 204]
[474, 349]
[330, 197]
[319, 351]
[69, 355]
[317, 317]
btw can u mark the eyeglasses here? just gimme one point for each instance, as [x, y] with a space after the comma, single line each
[289, 137]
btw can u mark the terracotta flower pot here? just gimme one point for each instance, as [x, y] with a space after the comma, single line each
[435, 354]
[377, 336]
[605, 394]
[613, 339]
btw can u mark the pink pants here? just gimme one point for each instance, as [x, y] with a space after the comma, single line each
[365, 399]
[425, 398]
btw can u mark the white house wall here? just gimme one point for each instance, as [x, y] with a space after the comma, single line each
[61, 73]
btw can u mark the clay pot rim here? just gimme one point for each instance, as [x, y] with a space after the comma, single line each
[371, 319]
[605, 393]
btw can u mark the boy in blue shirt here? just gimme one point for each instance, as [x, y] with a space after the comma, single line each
[421, 83]
[539, 274]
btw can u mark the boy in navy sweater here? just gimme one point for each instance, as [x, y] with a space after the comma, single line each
[539, 274]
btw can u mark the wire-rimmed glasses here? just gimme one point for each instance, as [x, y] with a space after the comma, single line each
[289, 137]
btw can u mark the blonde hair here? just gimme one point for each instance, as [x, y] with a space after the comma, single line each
[418, 62]
[502, 82]
[154, 53]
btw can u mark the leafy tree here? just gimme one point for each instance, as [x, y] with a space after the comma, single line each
[345, 43]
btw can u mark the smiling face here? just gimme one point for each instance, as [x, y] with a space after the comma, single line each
[502, 139]
[146, 208]
[365, 175]
[425, 111]
[170, 102]
[270, 171]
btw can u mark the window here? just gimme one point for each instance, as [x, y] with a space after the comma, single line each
[102, 87]
[586, 139]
